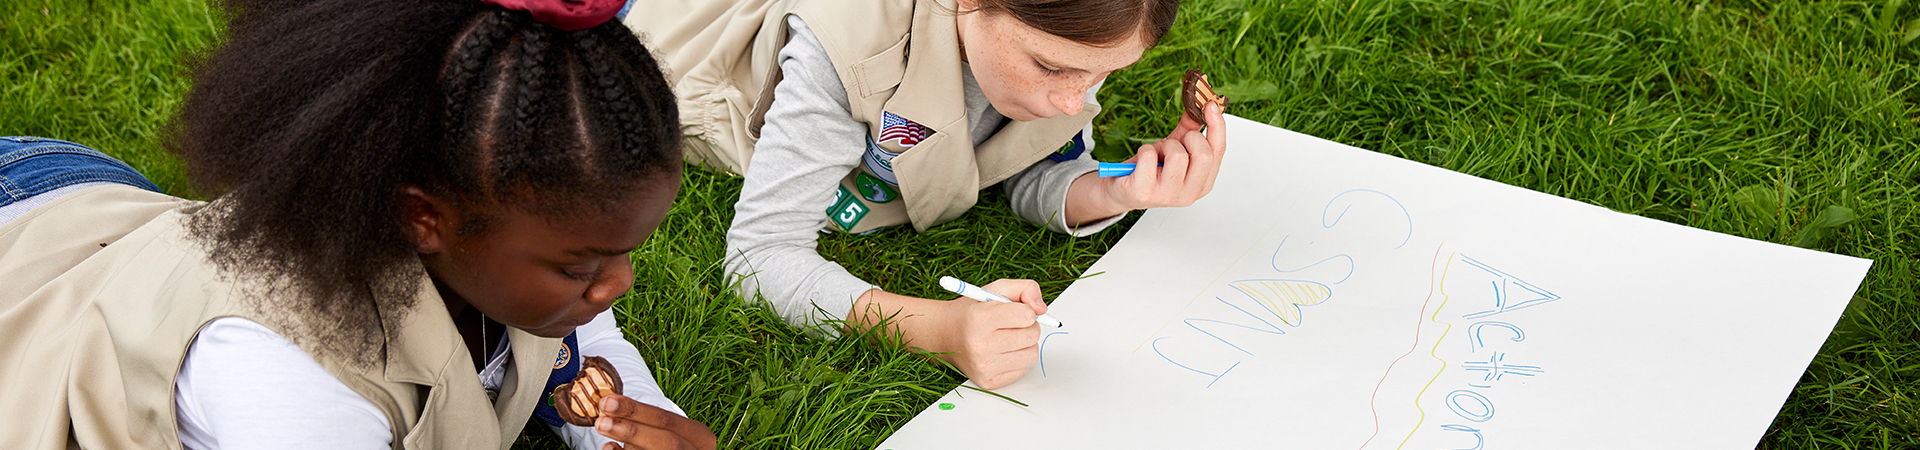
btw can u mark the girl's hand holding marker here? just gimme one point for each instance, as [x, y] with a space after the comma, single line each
[1185, 163]
[975, 292]
[993, 343]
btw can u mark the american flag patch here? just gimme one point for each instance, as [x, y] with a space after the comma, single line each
[895, 128]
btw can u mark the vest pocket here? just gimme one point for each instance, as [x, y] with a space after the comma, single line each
[421, 434]
[881, 72]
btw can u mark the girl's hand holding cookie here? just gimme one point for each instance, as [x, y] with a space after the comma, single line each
[1176, 171]
[642, 426]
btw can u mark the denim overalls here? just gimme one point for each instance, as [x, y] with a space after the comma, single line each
[31, 166]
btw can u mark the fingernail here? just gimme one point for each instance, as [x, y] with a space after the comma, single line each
[609, 405]
[604, 424]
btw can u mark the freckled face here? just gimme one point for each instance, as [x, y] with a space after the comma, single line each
[1028, 74]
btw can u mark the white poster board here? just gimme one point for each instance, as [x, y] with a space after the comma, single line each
[1328, 297]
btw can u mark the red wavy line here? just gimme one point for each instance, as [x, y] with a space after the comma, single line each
[1373, 402]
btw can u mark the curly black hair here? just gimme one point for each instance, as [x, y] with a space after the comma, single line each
[314, 115]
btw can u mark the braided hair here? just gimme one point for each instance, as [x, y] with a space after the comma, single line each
[315, 114]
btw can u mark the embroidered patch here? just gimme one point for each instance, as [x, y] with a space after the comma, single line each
[1069, 151]
[566, 355]
[847, 210]
[874, 190]
[880, 162]
[893, 127]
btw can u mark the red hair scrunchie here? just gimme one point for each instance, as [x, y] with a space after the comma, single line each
[568, 15]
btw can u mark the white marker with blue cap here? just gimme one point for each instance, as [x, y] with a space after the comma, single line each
[978, 293]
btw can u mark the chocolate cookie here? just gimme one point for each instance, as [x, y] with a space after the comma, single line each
[578, 401]
[1196, 93]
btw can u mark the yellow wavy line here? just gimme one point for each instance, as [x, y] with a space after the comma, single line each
[1434, 353]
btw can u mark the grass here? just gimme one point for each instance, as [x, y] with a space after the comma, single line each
[1759, 119]
[105, 74]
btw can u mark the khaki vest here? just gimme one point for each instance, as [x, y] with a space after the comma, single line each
[110, 293]
[897, 56]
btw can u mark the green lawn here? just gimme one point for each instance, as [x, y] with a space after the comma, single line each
[1769, 121]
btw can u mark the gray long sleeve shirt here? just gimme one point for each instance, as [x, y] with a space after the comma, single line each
[809, 142]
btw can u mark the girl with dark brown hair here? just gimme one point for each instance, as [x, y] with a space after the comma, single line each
[856, 115]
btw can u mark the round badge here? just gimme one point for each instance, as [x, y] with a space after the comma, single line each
[874, 190]
[566, 354]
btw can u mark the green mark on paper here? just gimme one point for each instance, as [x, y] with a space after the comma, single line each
[946, 406]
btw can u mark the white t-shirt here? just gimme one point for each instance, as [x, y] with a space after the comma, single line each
[245, 387]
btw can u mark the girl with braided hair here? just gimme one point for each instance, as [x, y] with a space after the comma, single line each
[426, 211]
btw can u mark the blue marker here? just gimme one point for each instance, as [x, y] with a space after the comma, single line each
[1109, 170]
[977, 293]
